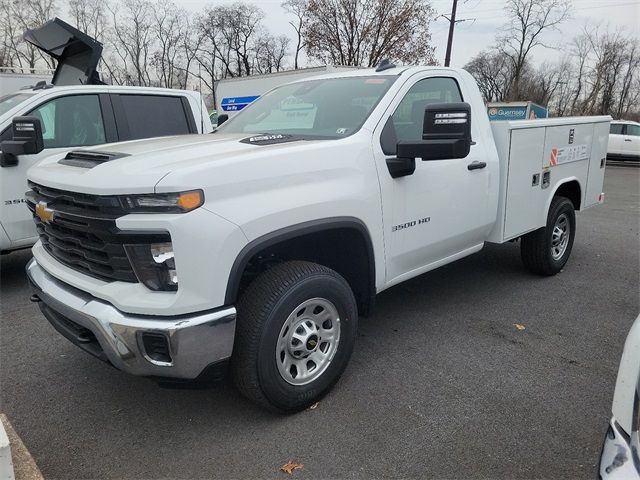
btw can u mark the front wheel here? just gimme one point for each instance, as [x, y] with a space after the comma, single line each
[295, 333]
[545, 251]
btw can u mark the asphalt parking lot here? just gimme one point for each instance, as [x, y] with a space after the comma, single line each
[441, 384]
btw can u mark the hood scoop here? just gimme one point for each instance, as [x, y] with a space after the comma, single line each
[89, 158]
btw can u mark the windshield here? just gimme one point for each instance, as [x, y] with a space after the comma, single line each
[7, 102]
[326, 108]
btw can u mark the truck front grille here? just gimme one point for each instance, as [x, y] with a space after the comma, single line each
[82, 233]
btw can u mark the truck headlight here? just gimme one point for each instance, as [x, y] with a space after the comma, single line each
[179, 202]
[154, 265]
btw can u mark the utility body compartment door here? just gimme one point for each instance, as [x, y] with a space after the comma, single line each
[597, 163]
[525, 197]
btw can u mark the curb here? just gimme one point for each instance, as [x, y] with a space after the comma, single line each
[15, 460]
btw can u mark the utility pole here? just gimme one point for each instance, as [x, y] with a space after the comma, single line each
[452, 25]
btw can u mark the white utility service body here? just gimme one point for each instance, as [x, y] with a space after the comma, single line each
[365, 177]
[557, 150]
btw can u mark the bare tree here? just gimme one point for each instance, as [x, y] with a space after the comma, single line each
[169, 28]
[612, 68]
[529, 19]
[297, 8]
[363, 32]
[190, 46]
[90, 16]
[15, 18]
[598, 75]
[493, 72]
[270, 53]
[131, 40]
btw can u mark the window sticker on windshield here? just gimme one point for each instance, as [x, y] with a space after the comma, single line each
[295, 103]
[375, 81]
[342, 131]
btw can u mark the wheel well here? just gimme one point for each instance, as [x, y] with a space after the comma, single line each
[345, 249]
[570, 190]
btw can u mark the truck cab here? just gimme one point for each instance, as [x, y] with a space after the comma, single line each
[78, 111]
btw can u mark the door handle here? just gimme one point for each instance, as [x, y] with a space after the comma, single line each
[476, 165]
[627, 139]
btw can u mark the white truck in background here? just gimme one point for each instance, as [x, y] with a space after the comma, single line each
[234, 94]
[76, 110]
[260, 245]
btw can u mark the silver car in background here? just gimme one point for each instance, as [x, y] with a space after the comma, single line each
[620, 458]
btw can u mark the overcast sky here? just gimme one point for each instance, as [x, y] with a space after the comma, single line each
[485, 18]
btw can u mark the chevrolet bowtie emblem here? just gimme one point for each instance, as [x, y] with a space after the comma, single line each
[43, 213]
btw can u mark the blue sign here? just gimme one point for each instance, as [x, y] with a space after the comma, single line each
[234, 104]
[507, 113]
[529, 111]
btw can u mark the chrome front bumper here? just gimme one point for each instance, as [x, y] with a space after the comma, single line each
[193, 342]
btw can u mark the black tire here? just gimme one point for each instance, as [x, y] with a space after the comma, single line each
[263, 310]
[536, 247]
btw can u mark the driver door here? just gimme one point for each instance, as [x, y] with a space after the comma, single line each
[441, 211]
[67, 122]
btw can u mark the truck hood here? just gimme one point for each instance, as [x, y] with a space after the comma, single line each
[138, 166]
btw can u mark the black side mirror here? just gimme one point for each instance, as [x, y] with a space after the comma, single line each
[446, 133]
[222, 118]
[27, 140]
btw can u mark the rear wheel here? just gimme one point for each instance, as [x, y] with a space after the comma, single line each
[295, 333]
[546, 250]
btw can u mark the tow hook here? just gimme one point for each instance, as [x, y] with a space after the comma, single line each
[35, 298]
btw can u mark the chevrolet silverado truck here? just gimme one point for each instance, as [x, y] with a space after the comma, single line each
[260, 245]
[77, 110]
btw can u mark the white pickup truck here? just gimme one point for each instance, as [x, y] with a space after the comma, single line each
[76, 110]
[262, 243]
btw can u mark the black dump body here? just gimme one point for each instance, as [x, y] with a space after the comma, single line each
[76, 52]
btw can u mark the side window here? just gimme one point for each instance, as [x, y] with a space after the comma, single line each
[72, 121]
[406, 122]
[154, 116]
[616, 128]
[633, 130]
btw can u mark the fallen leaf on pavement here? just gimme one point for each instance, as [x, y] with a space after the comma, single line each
[519, 326]
[290, 466]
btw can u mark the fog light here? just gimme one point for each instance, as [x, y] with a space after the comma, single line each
[154, 265]
[162, 253]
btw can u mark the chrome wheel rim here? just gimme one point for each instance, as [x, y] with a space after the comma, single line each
[560, 237]
[308, 341]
